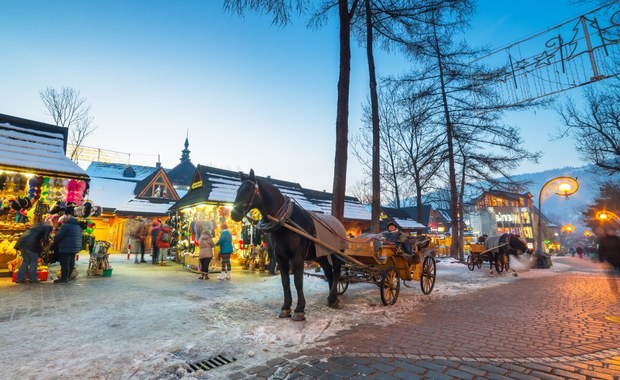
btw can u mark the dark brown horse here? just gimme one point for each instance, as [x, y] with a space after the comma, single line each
[505, 245]
[291, 248]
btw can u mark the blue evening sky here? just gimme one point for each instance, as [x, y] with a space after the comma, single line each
[251, 95]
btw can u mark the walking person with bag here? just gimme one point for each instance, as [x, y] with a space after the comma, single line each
[163, 243]
[205, 253]
[30, 245]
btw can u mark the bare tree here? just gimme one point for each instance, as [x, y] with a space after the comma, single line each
[595, 126]
[281, 10]
[69, 110]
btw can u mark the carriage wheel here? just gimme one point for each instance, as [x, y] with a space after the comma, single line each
[390, 286]
[342, 286]
[470, 262]
[499, 263]
[429, 271]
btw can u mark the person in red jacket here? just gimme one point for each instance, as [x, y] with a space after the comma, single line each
[163, 242]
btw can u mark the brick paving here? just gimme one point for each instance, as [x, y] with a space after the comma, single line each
[539, 327]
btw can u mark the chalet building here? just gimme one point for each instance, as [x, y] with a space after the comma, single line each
[126, 192]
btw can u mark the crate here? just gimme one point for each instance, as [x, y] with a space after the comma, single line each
[107, 272]
[41, 275]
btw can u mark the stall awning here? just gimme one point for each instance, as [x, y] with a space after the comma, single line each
[35, 147]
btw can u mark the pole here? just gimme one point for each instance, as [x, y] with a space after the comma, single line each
[539, 232]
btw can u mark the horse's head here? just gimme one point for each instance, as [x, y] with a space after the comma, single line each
[518, 244]
[248, 197]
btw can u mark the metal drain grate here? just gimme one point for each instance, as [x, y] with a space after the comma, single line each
[215, 362]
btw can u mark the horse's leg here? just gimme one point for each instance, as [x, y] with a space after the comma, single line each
[332, 276]
[298, 276]
[285, 312]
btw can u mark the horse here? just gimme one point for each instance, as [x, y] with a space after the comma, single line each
[503, 246]
[291, 248]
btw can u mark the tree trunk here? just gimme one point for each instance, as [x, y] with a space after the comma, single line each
[342, 113]
[374, 105]
[451, 168]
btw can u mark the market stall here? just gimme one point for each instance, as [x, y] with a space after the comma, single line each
[35, 177]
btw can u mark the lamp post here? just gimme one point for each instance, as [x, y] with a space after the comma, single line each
[562, 186]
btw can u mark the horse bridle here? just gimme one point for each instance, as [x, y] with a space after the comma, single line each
[248, 207]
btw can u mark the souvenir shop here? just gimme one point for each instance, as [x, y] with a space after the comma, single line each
[250, 251]
[36, 181]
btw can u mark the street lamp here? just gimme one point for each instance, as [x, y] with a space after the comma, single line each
[604, 216]
[562, 186]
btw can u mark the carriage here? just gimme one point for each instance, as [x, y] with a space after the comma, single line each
[372, 259]
[496, 251]
[297, 236]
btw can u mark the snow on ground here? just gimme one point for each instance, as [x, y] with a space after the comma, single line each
[149, 321]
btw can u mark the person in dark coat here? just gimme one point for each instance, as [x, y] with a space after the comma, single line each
[154, 233]
[30, 245]
[609, 249]
[68, 241]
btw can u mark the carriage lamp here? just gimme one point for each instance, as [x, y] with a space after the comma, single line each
[562, 186]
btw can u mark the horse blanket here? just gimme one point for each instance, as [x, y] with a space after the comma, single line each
[493, 242]
[330, 231]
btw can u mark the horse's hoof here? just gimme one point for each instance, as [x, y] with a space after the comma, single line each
[334, 305]
[298, 316]
[514, 274]
[285, 314]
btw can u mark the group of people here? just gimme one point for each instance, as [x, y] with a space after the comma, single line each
[161, 237]
[67, 243]
[206, 244]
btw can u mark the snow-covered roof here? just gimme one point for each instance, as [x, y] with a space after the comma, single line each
[408, 224]
[40, 150]
[353, 208]
[115, 171]
[110, 193]
[220, 186]
[143, 207]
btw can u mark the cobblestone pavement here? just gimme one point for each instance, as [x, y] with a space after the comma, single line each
[561, 326]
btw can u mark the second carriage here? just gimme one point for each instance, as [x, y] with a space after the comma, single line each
[479, 253]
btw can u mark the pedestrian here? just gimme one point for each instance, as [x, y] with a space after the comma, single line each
[609, 251]
[579, 251]
[137, 237]
[205, 252]
[572, 251]
[163, 242]
[154, 233]
[30, 245]
[609, 248]
[68, 241]
[226, 249]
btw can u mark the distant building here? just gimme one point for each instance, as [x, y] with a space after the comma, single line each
[496, 212]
